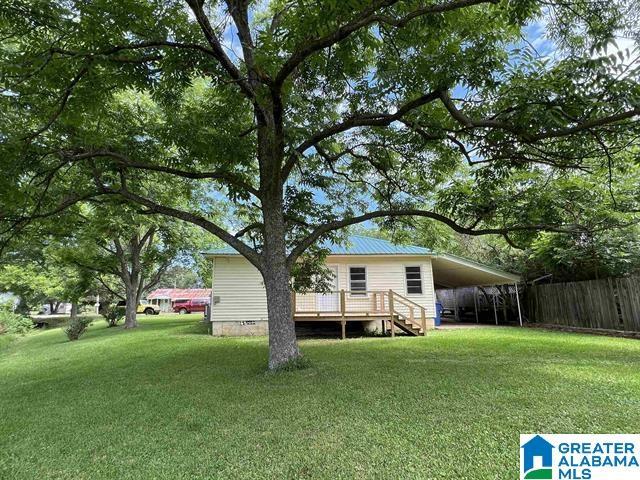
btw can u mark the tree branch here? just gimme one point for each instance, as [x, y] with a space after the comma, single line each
[218, 52]
[102, 282]
[134, 46]
[468, 122]
[248, 228]
[125, 274]
[107, 271]
[246, 251]
[127, 162]
[62, 103]
[239, 12]
[367, 17]
[380, 119]
[69, 202]
[431, 9]
[155, 279]
[147, 237]
[338, 224]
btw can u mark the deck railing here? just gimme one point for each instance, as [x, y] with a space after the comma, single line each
[342, 301]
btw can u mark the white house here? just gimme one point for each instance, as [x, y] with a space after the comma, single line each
[375, 282]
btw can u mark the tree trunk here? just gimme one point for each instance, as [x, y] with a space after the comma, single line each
[283, 346]
[74, 310]
[130, 274]
[22, 307]
[130, 320]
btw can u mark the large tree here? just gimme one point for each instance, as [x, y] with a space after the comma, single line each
[37, 277]
[105, 246]
[31, 269]
[307, 116]
[126, 252]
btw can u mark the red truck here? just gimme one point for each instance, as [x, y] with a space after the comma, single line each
[190, 306]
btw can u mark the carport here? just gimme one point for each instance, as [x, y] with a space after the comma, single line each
[451, 271]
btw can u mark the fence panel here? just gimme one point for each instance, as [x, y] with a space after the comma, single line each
[612, 304]
[629, 298]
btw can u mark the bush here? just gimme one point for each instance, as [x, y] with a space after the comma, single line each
[77, 327]
[112, 314]
[13, 323]
[7, 306]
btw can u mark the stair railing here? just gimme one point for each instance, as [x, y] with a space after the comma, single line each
[394, 298]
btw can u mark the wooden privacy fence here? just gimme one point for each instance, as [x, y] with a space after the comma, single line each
[611, 303]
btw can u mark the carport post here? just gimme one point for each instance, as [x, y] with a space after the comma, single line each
[475, 302]
[495, 311]
[518, 302]
[455, 304]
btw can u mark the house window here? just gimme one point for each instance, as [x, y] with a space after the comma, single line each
[358, 280]
[414, 280]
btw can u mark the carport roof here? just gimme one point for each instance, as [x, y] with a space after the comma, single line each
[448, 270]
[453, 271]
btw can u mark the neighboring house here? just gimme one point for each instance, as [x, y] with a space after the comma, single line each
[60, 308]
[165, 298]
[374, 282]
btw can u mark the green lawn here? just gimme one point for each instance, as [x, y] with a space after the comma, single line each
[166, 401]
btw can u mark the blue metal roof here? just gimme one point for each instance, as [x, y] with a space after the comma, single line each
[355, 245]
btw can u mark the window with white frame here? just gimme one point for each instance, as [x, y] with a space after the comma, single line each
[358, 280]
[414, 280]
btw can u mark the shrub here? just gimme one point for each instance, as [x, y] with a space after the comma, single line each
[77, 327]
[7, 306]
[13, 323]
[112, 314]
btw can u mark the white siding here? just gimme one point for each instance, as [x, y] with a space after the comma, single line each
[239, 286]
[387, 273]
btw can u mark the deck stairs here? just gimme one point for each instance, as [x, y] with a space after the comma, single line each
[406, 326]
[409, 316]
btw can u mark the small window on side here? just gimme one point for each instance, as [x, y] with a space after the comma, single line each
[358, 280]
[414, 280]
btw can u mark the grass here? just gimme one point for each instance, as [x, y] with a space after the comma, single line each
[166, 401]
[6, 339]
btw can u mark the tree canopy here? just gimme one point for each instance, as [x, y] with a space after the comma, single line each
[600, 204]
[34, 270]
[307, 117]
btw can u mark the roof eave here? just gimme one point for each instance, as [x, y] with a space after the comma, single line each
[380, 255]
[471, 263]
[209, 255]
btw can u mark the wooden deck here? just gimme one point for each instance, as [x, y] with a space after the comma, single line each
[389, 307]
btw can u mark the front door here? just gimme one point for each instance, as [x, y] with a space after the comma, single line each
[330, 302]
